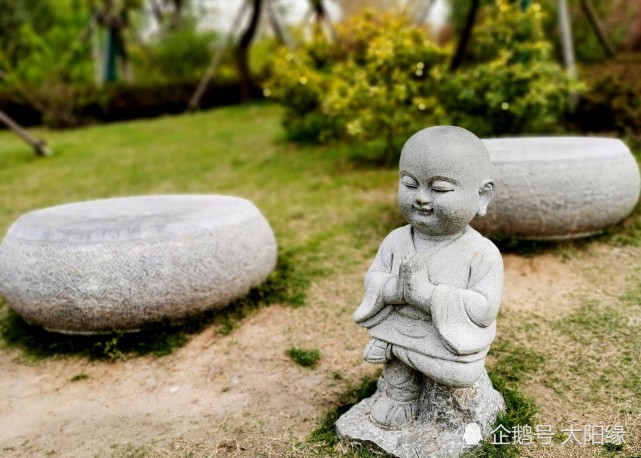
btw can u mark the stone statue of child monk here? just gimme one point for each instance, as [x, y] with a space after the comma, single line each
[433, 292]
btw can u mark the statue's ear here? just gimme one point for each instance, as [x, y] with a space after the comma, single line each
[486, 192]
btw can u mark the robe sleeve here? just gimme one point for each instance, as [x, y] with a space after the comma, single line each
[466, 318]
[373, 310]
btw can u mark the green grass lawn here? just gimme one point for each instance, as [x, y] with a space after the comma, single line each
[325, 211]
[329, 214]
[307, 193]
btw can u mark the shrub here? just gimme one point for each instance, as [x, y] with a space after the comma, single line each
[389, 86]
[611, 105]
[515, 84]
[58, 105]
[384, 79]
[379, 80]
[613, 99]
[38, 49]
[299, 81]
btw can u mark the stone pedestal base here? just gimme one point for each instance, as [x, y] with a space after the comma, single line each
[451, 422]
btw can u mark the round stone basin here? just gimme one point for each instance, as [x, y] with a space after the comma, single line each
[121, 264]
[559, 187]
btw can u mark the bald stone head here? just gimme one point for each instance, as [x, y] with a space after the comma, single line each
[445, 180]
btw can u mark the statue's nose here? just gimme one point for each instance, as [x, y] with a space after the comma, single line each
[423, 197]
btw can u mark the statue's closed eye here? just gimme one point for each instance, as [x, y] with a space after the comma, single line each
[409, 181]
[442, 186]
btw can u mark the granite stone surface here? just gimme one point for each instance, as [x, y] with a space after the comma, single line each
[120, 264]
[559, 187]
[452, 421]
[432, 295]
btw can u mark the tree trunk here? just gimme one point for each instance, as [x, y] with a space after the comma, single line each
[157, 12]
[110, 66]
[321, 18]
[216, 59]
[177, 17]
[96, 51]
[424, 13]
[273, 21]
[122, 45]
[566, 37]
[633, 41]
[459, 55]
[319, 14]
[39, 146]
[597, 27]
[242, 52]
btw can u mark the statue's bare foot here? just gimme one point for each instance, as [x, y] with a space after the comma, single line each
[377, 351]
[390, 414]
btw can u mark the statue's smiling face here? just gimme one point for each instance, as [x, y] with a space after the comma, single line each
[438, 194]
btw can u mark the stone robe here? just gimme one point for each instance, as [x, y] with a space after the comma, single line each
[450, 342]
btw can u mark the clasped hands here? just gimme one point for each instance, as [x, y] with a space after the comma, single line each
[412, 286]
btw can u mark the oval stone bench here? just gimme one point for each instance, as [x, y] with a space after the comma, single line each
[120, 264]
[559, 187]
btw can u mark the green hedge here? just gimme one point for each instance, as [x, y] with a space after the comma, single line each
[613, 100]
[72, 106]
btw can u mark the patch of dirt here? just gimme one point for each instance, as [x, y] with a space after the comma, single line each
[540, 293]
[227, 395]
[239, 395]
[547, 285]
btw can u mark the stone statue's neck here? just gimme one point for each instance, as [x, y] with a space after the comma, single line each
[439, 238]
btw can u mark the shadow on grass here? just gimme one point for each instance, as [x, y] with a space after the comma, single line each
[565, 248]
[324, 437]
[286, 284]
[526, 247]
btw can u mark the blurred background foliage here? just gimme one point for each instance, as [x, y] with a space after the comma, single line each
[383, 78]
[51, 64]
[378, 78]
[512, 82]
[621, 19]
[181, 54]
[34, 36]
[373, 77]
